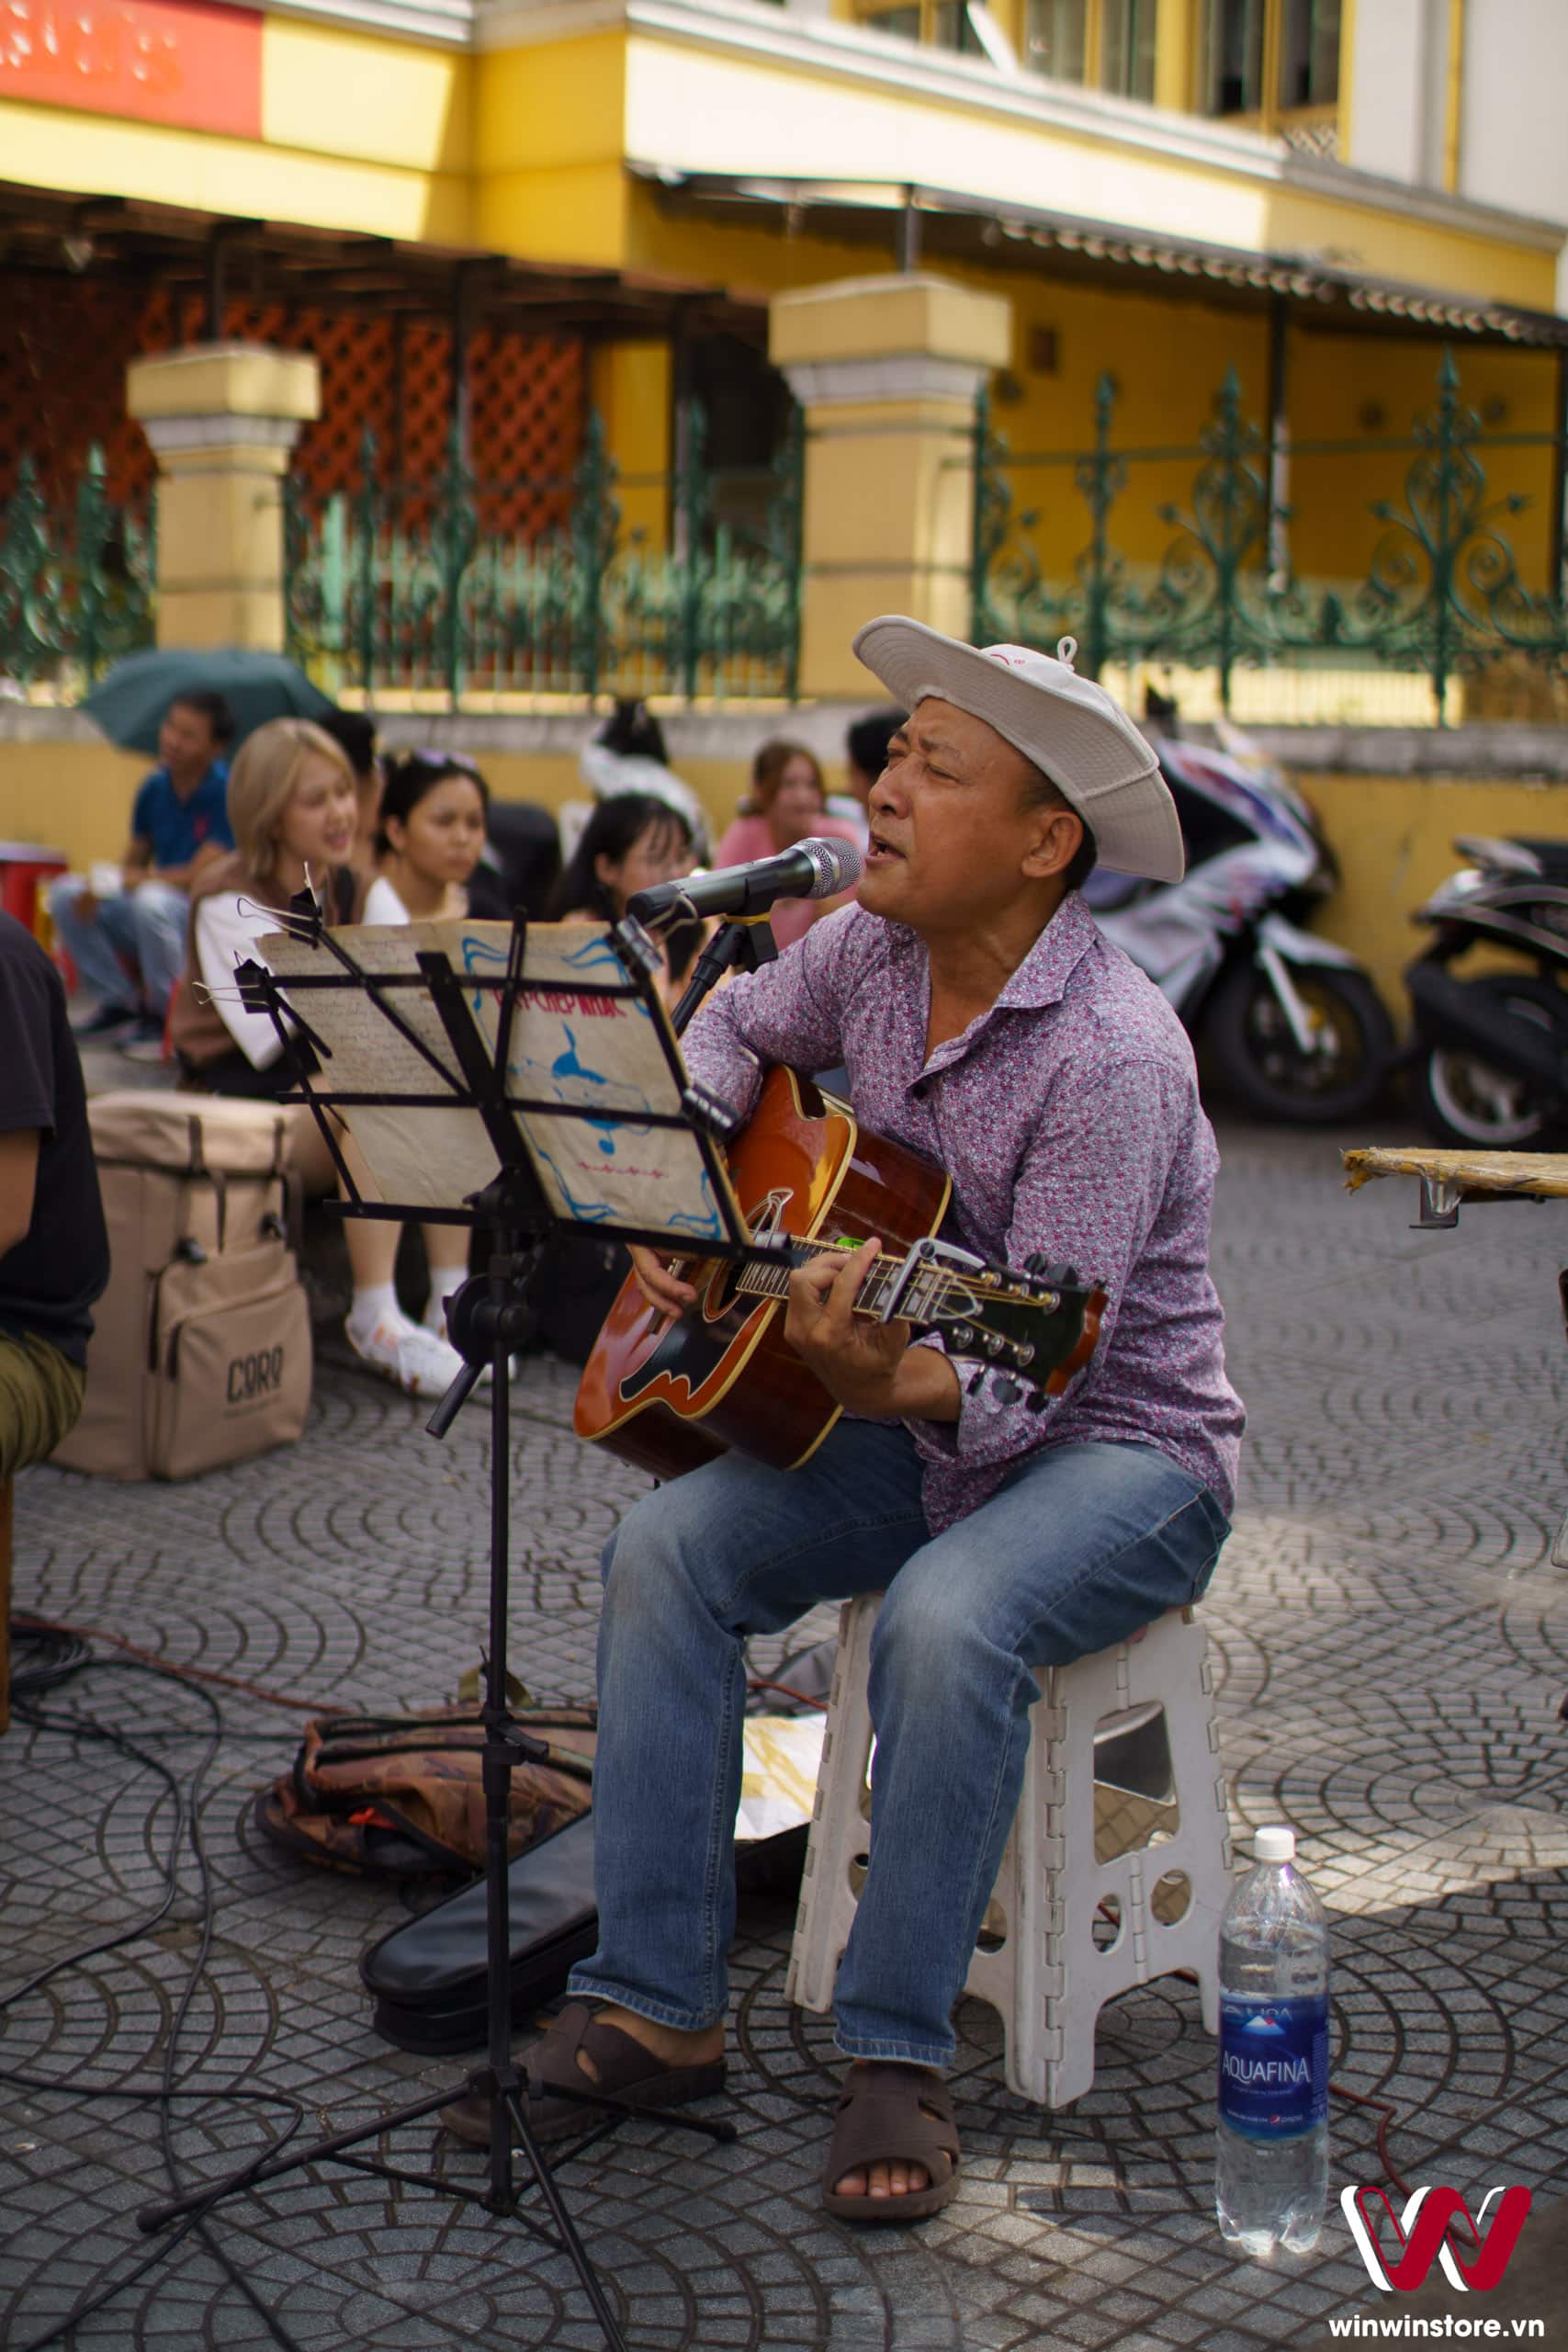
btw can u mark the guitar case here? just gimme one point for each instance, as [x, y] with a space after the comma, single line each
[427, 1980]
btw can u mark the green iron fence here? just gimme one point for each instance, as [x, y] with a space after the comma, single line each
[1442, 595]
[76, 579]
[391, 586]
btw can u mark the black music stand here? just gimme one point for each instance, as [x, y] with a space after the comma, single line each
[489, 1318]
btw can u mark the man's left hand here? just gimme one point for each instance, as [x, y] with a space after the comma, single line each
[856, 1360]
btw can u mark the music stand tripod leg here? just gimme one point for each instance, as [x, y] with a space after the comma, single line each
[499, 1318]
[488, 1318]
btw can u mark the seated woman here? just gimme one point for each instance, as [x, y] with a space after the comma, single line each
[431, 836]
[629, 844]
[292, 807]
[788, 802]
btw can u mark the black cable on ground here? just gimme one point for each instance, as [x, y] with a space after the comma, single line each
[62, 1654]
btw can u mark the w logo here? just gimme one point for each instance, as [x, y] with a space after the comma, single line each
[1422, 2236]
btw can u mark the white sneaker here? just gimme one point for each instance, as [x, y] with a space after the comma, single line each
[418, 1360]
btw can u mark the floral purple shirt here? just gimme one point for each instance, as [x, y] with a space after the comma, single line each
[1068, 1120]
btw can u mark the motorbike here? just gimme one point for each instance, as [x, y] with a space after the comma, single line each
[1292, 1024]
[1490, 1064]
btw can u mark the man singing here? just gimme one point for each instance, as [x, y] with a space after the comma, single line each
[986, 1025]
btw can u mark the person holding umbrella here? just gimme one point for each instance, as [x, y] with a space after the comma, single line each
[127, 943]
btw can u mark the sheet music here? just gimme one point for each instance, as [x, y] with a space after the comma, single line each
[608, 1056]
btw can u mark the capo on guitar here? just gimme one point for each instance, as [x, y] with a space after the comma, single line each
[927, 1252]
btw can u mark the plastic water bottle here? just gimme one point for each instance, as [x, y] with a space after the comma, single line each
[1271, 2155]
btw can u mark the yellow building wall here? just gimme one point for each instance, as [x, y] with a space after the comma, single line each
[74, 797]
[1168, 357]
[1337, 385]
[333, 93]
[358, 134]
[629, 384]
[548, 122]
[705, 111]
[1393, 836]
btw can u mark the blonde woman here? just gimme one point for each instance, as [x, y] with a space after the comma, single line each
[292, 805]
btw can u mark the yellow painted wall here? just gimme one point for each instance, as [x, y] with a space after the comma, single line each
[330, 92]
[629, 385]
[72, 796]
[549, 103]
[1393, 837]
[90, 155]
[1168, 357]
[548, 123]
[1334, 379]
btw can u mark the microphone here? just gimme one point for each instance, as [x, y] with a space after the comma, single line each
[812, 870]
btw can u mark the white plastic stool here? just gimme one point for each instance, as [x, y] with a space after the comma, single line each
[1078, 1914]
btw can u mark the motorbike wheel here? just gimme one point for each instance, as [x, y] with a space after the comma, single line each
[1460, 1099]
[1255, 1051]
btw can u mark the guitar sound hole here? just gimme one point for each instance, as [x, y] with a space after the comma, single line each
[720, 1289]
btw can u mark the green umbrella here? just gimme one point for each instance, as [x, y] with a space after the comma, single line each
[130, 704]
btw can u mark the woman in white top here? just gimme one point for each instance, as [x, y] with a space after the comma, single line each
[430, 836]
[435, 806]
[292, 805]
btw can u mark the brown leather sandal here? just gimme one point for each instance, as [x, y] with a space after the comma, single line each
[893, 2113]
[625, 2068]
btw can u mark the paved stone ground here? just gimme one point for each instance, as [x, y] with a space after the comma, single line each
[1391, 1648]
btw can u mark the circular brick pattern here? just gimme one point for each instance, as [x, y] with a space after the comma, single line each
[1390, 1647]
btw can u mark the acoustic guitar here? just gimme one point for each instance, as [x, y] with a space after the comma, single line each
[667, 1393]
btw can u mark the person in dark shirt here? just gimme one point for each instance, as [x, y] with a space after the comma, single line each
[178, 821]
[54, 1250]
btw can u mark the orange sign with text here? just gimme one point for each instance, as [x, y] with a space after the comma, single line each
[180, 62]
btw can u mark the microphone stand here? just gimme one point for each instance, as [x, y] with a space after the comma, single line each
[742, 942]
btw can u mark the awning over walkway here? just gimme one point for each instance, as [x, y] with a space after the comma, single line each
[279, 261]
[908, 223]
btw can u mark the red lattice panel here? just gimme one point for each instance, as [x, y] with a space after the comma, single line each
[64, 349]
[526, 399]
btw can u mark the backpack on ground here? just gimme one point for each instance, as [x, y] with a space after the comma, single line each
[404, 1795]
[200, 1351]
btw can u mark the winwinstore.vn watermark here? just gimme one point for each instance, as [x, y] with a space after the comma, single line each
[1445, 2324]
[1423, 2237]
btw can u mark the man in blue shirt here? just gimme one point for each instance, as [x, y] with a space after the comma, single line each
[128, 947]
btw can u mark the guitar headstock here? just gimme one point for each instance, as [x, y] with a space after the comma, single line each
[1032, 1327]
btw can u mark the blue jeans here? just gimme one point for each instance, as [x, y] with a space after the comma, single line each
[144, 928]
[1082, 1545]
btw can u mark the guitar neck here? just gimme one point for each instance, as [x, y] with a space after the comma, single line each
[930, 1292]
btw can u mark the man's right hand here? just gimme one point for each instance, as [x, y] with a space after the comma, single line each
[658, 1284]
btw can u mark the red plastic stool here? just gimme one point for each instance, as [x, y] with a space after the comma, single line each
[24, 867]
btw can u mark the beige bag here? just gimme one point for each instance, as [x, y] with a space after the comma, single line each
[200, 1350]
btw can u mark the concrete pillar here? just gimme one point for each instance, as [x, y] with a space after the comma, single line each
[222, 419]
[887, 370]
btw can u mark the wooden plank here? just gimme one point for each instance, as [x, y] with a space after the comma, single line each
[1541, 1173]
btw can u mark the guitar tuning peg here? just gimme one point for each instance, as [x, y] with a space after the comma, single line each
[1038, 1400]
[1005, 1391]
[976, 1382]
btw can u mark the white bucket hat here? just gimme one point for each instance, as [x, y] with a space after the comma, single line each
[1066, 725]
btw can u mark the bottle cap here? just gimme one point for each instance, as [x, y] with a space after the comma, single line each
[1275, 1845]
